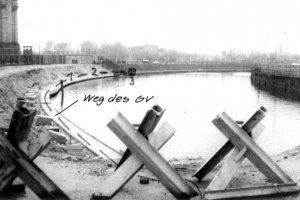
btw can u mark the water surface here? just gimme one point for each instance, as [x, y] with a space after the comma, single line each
[192, 101]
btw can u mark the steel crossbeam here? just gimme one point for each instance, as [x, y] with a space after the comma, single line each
[144, 152]
[242, 141]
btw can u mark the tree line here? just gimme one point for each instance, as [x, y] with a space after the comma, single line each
[150, 53]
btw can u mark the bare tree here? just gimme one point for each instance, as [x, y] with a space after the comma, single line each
[49, 47]
[115, 52]
[62, 48]
[88, 47]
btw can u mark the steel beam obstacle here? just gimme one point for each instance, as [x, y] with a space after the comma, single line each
[15, 163]
[146, 127]
[143, 152]
[241, 141]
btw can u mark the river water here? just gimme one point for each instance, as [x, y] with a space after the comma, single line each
[192, 101]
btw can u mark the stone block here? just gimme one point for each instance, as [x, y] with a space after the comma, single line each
[58, 137]
[43, 120]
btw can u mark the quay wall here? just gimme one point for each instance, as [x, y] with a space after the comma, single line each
[279, 79]
[189, 67]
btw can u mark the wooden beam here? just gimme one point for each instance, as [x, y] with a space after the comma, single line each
[230, 166]
[132, 165]
[20, 125]
[228, 146]
[9, 172]
[255, 154]
[151, 158]
[253, 192]
[31, 174]
[147, 125]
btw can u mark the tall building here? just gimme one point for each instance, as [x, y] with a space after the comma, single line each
[9, 27]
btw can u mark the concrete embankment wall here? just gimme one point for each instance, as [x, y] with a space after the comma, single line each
[205, 66]
[80, 59]
[278, 79]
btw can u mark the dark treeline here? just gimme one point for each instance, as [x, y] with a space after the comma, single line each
[149, 53]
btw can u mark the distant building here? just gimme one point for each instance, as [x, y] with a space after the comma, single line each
[9, 27]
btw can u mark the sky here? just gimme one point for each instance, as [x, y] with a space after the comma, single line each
[191, 26]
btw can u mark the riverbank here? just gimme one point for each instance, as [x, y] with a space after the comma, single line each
[79, 174]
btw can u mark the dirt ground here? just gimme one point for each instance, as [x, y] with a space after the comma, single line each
[80, 174]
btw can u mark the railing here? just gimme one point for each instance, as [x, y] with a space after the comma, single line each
[286, 70]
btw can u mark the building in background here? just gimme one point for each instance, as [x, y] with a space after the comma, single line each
[9, 27]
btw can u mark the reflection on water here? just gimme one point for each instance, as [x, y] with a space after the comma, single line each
[192, 101]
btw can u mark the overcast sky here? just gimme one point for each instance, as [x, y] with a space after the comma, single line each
[200, 26]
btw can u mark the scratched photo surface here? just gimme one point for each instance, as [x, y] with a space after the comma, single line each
[133, 99]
